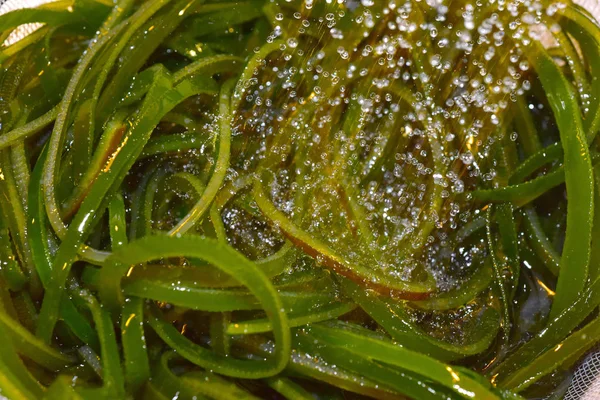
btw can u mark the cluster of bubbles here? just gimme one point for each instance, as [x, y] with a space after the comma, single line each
[403, 104]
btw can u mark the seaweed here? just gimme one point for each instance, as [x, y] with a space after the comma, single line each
[298, 199]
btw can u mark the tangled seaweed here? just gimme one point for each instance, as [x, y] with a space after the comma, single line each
[298, 199]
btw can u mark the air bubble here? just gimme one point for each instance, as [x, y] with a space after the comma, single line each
[467, 158]
[292, 42]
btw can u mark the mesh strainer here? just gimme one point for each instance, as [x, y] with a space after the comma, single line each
[23, 30]
[585, 383]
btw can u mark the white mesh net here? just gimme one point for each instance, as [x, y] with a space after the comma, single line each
[23, 30]
[585, 384]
